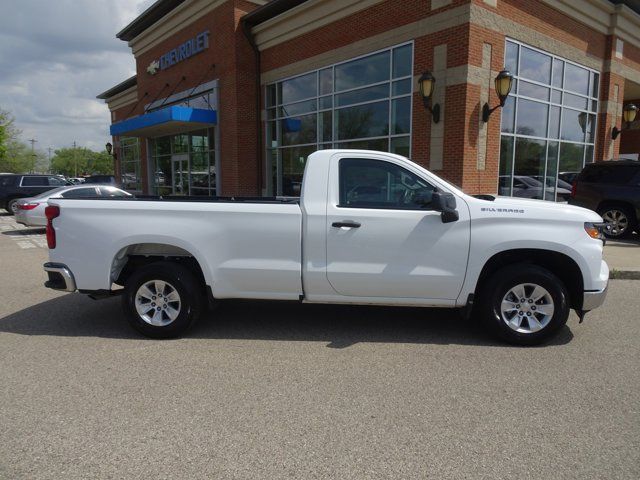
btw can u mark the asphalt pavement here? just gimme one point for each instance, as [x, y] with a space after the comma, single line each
[267, 391]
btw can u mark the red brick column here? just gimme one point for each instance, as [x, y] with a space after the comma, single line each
[611, 95]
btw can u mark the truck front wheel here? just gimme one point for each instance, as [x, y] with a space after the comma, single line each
[524, 304]
[162, 300]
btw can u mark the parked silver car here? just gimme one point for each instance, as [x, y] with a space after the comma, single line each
[31, 210]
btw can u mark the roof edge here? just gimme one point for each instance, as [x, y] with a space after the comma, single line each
[269, 11]
[147, 18]
[121, 87]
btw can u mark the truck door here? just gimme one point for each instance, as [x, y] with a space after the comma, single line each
[383, 241]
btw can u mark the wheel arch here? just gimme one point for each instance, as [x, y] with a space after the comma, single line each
[560, 264]
[135, 255]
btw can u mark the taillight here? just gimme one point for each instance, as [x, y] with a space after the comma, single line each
[574, 188]
[27, 206]
[51, 212]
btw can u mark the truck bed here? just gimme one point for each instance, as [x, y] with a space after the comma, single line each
[198, 199]
[247, 247]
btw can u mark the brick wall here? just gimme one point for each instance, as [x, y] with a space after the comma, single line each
[234, 62]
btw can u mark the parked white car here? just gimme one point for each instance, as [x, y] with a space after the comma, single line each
[31, 210]
[370, 228]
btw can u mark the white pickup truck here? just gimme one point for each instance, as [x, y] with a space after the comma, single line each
[369, 228]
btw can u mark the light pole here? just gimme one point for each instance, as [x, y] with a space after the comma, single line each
[75, 159]
[33, 154]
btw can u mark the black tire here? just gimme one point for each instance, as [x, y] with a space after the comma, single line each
[501, 283]
[12, 206]
[179, 278]
[620, 212]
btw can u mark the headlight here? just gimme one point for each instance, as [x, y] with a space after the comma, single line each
[595, 230]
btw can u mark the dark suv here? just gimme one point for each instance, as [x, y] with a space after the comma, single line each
[102, 180]
[613, 190]
[14, 187]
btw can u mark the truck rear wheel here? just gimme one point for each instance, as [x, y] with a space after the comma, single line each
[524, 304]
[162, 300]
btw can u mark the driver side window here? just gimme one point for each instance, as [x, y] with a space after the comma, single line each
[368, 183]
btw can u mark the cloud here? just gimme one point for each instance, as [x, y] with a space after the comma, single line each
[55, 57]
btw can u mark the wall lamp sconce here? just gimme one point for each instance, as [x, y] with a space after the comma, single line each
[628, 115]
[582, 121]
[427, 83]
[108, 147]
[503, 83]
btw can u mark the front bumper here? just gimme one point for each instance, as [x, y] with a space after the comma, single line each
[594, 299]
[60, 277]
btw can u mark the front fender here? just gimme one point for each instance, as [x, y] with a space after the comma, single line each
[587, 255]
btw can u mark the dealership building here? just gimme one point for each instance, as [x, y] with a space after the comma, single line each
[231, 96]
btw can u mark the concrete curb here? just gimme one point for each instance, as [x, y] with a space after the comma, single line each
[626, 274]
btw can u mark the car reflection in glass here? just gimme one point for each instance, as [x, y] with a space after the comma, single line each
[529, 187]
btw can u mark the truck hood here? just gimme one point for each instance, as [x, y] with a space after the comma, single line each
[528, 208]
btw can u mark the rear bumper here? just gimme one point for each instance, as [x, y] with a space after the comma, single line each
[19, 218]
[60, 277]
[594, 299]
[31, 221]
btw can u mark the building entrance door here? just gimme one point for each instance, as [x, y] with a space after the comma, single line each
[180, 174]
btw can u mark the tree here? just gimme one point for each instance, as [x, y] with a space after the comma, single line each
[15, 155]
[73, 162]
[3, 139]
[8, 139]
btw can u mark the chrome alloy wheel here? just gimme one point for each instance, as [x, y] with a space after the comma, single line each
[527, 308]
[617, 221]
[158, 303]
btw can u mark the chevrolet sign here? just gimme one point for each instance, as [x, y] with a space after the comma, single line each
[186, 50]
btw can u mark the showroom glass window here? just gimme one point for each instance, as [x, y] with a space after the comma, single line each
[184, 164]
[361, 103]
[548, 123]
[130, 164]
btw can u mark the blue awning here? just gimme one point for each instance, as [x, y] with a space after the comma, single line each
[167, 121]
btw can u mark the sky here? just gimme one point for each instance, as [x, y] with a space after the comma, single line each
[55, 57]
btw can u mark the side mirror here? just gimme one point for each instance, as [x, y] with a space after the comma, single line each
[446, 203]
[423, 199]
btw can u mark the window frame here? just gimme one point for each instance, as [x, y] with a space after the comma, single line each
[342, 165]
[210, 153]
[273, 155]
[131, 144]
[587, 146]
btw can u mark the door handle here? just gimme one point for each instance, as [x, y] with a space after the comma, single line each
[346, 224]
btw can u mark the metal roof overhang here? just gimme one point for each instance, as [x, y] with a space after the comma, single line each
[167, 121]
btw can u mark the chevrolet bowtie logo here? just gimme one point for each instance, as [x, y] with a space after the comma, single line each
[153, 67]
